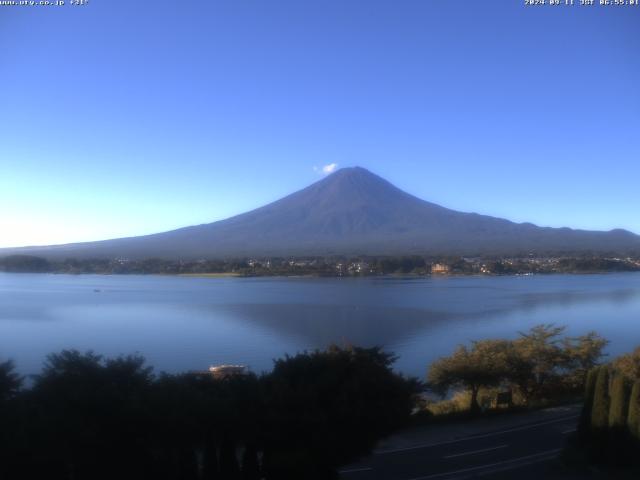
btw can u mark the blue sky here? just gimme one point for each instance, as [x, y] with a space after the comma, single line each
[123, 118]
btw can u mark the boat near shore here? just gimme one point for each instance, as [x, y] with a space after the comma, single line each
[226, 371]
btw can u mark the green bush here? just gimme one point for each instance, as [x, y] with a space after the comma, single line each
[619, 399]
[600, 409]
[607, 435]
[633, 418]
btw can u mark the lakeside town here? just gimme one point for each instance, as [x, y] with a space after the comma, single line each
[338, 266]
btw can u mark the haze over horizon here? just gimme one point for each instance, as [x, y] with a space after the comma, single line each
[150, 117]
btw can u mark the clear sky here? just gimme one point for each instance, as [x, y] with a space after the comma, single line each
[130, 117]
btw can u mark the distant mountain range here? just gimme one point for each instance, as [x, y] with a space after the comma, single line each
[350, 212]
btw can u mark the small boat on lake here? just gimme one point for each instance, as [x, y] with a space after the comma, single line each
[226, 371]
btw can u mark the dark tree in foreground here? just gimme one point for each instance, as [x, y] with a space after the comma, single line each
[327, 408]
[633, 417]
[609, 436]
[10, 420]
[88, 417]
[10, 381]
[618, 444]
[618, 409]
[199, 424]
[600, 409]
[589, 391]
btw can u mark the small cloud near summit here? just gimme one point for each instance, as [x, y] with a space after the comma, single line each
[326, 169]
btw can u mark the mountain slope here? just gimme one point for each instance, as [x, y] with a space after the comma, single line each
[354, 212]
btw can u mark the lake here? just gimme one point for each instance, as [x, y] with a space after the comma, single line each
[187, 323]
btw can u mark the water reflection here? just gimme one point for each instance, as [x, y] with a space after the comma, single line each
[320, 325]
[185, 323]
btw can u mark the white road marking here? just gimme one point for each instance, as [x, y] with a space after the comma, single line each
[476, 451]
[569, 431]
[354, 470]
[529, 459]
[475, 437]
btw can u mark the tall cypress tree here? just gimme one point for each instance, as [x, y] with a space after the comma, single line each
[633, 419]
[599, 433]
[590, 386]
[229, 469]
[618, 408]
[250, 466]
[585, 415]
[600, 410]
[618, 446]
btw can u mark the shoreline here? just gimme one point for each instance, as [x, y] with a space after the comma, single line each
[311, 275]
[197, 275]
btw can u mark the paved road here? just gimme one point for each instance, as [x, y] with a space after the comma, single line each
[512, 447]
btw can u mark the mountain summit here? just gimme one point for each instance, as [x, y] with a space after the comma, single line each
[350, 212]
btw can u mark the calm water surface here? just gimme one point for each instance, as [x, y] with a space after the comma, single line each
[182, 323]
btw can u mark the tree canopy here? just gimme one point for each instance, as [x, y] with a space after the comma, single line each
[537, 363]
[484, 364]
[91, 417]
[10, 381]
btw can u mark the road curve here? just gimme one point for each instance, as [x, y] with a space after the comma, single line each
[510, 447]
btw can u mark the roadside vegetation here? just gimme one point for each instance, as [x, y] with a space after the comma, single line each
[89, 417]
[540, 367]
[608, 435]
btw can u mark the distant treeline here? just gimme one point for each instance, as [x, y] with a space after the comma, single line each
[89, 417]
[324, 266]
